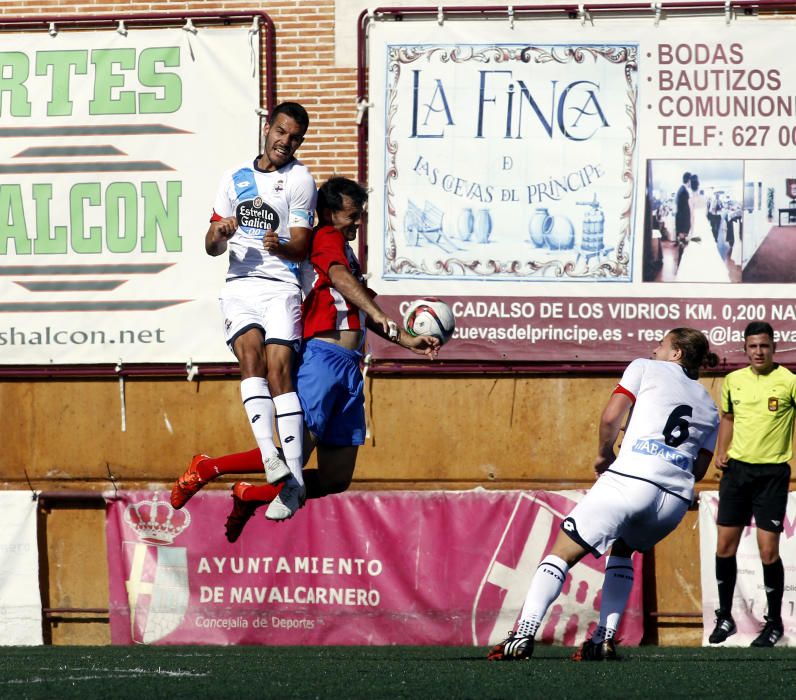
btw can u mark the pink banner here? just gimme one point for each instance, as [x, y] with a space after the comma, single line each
[375, 568]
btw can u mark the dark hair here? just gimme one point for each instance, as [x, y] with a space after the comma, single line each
[331, 193]
[695, 182]
[759, 328]
[695, 349]
[293, 110]
[686, 177]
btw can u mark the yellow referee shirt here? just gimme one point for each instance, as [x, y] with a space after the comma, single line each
[763, 410]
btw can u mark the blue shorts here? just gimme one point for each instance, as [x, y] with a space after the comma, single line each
[332, 393]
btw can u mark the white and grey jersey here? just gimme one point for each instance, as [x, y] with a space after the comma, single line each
[673, 418]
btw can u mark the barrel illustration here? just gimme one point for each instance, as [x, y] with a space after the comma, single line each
[483, 225]
[559, 234]
[536, 226]
[466, 224]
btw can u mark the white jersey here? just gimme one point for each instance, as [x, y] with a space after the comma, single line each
[264, 201]
[673, 418]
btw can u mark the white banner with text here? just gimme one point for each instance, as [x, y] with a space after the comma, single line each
[575, 188]
[111, 149]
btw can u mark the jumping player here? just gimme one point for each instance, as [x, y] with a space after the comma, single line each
[263, 214]
[640, 495]
[337, 309]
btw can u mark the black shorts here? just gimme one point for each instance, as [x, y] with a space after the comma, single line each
[754, 489]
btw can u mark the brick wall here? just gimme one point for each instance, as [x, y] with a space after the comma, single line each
[305, 67]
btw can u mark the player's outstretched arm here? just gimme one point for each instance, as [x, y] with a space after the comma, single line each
[610, 424]
[355, 293]
[420, 344]
[426, 345]
[218, 234]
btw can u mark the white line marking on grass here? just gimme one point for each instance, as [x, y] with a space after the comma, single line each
[110, 673]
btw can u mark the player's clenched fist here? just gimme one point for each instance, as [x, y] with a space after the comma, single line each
[271, 242]
[225, 228]
[219, 233]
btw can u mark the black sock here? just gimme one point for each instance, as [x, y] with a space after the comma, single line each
[726, 573]
[774, 581]
[318, 488]
[312, 484]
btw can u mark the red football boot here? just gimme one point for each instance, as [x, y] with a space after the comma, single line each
[188, 484]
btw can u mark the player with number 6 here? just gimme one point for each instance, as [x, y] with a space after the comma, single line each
[640, 495]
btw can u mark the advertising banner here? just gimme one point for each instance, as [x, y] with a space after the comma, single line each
[112, 146]
[749, 604]
[375, 568]
[575, 187]
[20, 599]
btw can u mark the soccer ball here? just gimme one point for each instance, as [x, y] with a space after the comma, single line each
[430, 316]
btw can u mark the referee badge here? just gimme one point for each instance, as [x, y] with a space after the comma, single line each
[773, 403]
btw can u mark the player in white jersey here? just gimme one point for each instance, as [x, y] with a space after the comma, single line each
[640, 495]
[263, 214]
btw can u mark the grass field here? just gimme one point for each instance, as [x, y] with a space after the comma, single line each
[146, 673]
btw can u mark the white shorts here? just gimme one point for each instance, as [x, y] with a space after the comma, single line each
[273, 307]
[638, 512]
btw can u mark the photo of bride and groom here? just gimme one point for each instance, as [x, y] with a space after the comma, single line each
[693, 233]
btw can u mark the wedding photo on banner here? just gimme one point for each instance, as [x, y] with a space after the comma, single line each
[111, 152]
[580, 186]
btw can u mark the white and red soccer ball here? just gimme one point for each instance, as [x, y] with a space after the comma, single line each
[430, 316]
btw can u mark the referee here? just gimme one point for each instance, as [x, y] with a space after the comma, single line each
[753, 450]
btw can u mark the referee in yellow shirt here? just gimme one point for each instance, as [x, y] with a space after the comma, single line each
[753, 450]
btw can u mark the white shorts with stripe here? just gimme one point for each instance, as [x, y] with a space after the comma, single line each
[637, 511]
[270, 305]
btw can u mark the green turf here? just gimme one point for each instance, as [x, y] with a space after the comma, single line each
[146, 673]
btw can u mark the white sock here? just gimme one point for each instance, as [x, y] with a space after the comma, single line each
[616, 590]
[290, 424]
[260, 410]
[544, 589]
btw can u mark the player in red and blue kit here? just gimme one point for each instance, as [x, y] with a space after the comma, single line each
[336, 312]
